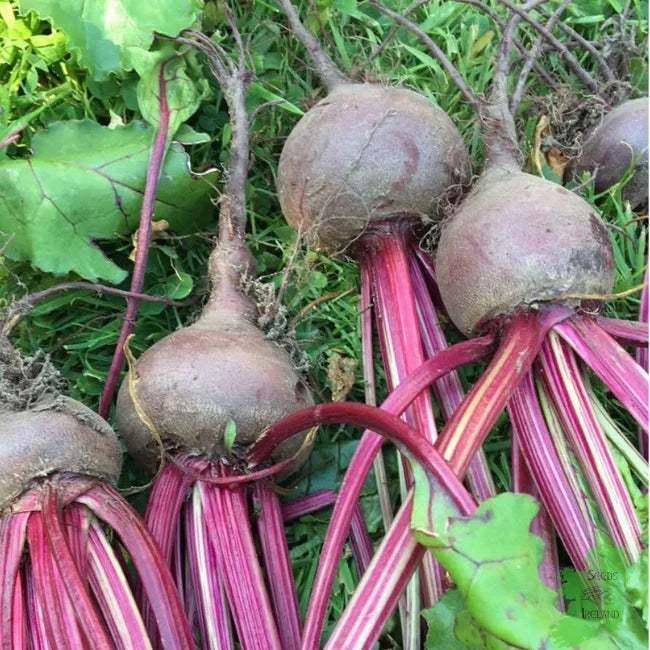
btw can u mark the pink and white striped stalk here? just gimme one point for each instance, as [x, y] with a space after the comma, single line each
[275, 554]
[554, 477]
[617, 369]
[226, 516]
[563, 382]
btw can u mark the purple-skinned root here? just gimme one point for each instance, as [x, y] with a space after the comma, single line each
[518, 241]
[56, 434]
[366, 153]
[197, 380]
[609, 150]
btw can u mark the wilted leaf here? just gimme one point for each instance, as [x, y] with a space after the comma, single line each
[101, 31]
[84, 182]
[341, 374]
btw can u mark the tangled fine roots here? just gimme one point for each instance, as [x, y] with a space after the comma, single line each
[25, 380]
[571, 116]
[273, 320]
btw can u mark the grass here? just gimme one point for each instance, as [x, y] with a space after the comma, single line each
[79, 329]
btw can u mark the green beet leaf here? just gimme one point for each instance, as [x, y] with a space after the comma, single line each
[101, 31]
[84, 182]
[185, 87]
[493, 559]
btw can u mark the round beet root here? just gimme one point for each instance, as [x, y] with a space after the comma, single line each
[195, 381]
[611, 147]
[55, 435]
[518, 240]
[365, 153]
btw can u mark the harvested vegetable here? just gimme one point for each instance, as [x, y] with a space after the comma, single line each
[619, 143]
[64, 527]
[196, 399]
[359, 173]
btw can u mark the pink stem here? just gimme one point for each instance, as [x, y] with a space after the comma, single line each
[76, 588]
[374, 599]
[113, 594]
[36, 627]
[360, 541]
[614, 366]
[370, 388]
[275, 552]
[43, 579]
[308, 504]
[448, 389]
[627, 332]
[18, 637]
[226, 517]
[642, 354]
[148, 561]
[542, 526]
[142, 246]
[563, 381]
[210, 597]
[12, 542]
[554, 479]
[359, 466]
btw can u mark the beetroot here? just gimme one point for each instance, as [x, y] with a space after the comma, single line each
[61, 580]
[54, 435]
[518, 241]
[611, 147]
[195, 381]
[367, 153]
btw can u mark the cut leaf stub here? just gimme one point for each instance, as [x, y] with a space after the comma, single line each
[84, 182]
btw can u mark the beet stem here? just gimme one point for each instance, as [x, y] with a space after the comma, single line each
[360, 541]
[542, 526]
[617, 369]
[13, 529]
[226, 516]
[76, 588]
[392, 566]
[552, 472]
[277, 561]
[448, 389]
[109, 506]
[628, 332]
[142, 246]
[387, 256]
[564, 385]
[308, 504]
[370, 388]
[209, 592]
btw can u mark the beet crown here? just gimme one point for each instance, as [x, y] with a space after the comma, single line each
[365, 153]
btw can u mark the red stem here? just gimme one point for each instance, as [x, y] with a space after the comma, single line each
[275, 552]
[375, 597]
[142, 246]
[308, 504]
[367, 449]
[12, 541]
[89, 621]
[149, 564]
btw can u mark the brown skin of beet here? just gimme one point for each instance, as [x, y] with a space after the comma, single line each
[196, 380]
[518, 240]
[55, 435]
[611, 147]
[365, 153]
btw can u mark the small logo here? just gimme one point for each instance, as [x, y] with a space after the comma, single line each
[598, 594]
